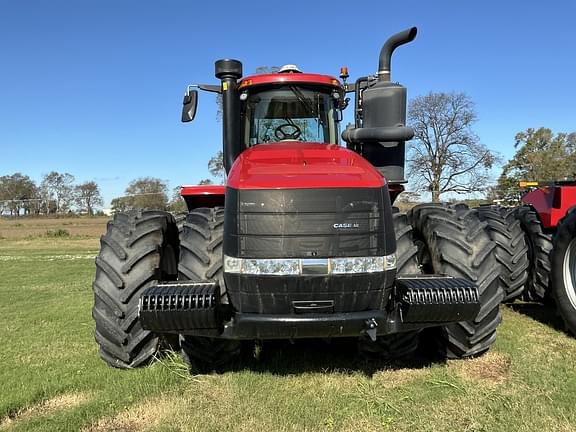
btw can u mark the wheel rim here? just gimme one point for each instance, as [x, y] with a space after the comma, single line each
[569, 272]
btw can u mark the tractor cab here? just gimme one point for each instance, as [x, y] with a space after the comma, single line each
[290, 106]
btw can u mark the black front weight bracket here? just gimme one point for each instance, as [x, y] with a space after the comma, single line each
[417, 302]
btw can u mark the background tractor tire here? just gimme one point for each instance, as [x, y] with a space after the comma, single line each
[539, 248]
[201, 260]
[397, 345]
[138, 249]
[511, 248]
[563, 274]
[180, 218]
[454, 241]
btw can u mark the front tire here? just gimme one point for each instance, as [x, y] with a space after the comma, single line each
[138, 249]
[453, 241]
[563, 274]
[201, 260]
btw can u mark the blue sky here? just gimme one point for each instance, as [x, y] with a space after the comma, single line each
[94, 88]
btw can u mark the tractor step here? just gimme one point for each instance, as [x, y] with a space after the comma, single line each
[172, 306]
[437, 299]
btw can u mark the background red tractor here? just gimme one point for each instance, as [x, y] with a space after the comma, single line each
[549, 223]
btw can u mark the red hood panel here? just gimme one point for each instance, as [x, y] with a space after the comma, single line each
[297, 165]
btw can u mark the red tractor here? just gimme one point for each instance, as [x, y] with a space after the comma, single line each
[302, 241]
[549, 223]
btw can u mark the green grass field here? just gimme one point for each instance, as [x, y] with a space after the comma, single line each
[51, 377]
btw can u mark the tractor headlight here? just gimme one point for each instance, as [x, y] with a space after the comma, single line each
[357, 265]
[278, 267]
[309, 266]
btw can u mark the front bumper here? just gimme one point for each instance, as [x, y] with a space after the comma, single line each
[416, 303]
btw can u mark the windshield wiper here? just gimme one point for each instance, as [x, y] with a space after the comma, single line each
[303, 100]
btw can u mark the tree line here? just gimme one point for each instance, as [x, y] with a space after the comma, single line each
[57, 193]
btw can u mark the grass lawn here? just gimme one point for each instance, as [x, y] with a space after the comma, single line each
[51, 377]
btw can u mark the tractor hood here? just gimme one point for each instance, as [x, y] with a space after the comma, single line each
[297, 165]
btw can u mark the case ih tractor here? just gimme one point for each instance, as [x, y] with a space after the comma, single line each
[302, 241]
[549, 222]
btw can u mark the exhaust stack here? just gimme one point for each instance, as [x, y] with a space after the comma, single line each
[381, 132]
[388, 48]
[229, 71]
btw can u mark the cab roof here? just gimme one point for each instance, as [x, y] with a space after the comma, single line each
[279, 78]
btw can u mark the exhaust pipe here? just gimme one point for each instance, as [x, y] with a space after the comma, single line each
[229, 71]
[386, 53]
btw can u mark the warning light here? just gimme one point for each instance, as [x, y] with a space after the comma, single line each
[344, 72]
[525, 183]
[245, 83]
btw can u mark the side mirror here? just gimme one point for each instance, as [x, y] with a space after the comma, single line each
[189, 105]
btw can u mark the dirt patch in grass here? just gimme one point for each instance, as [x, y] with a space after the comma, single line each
[145, 415]
[58, 403]
[492, 368]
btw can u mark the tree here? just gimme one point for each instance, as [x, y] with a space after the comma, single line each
[446, 155]
[540, 155]
[59, 188]
[120, 204]
[87, 196]
[145, 193]
[177, 204]
[216, 166]
[18, 193]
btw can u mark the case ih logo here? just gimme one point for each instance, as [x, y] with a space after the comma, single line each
[340, 226]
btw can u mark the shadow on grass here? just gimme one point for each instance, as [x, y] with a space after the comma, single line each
[339, 355]
[544, 313]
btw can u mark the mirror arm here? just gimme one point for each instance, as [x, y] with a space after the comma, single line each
[205, 87]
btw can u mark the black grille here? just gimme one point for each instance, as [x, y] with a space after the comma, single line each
[307, 223]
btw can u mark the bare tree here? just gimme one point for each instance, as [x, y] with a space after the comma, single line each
[88, 196]
[446, 155]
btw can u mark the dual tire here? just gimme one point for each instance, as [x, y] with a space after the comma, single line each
[511, 249]
[138, 249]
[453, 241]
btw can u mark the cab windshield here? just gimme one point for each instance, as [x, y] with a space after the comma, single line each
[290, 113]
